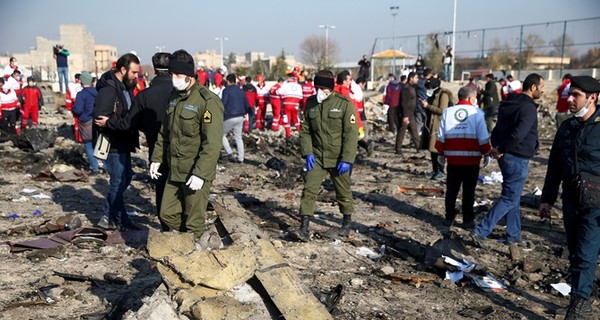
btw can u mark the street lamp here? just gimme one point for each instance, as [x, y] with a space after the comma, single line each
[160, 48]
[221, 39]
[394, 10]
[326, 27]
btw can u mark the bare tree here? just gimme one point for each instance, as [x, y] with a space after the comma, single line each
[433, 53]
[314, 51]
[557, 46]
[500, 56]
[531, 44]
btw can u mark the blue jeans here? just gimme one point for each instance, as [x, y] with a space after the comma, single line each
[583, 239]
[118, 166]
[447, 74]
[514, 174]
[63, 75]
[89, 151]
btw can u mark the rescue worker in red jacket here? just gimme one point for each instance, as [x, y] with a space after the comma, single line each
[72, 92]
[291, 94]
[10, 106]
[562, 106]
[275, 101]
[33, 101]
[308, 89]
[342, 86]
[252, 97]
[262, 93]
[202, 74]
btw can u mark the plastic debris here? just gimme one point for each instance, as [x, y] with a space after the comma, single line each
[41, 196]
[488, 283]
[493, 178]
[37, 212]
[562, 287]
[462, 266]
[28, 191]
[366, 252]
[13, 216]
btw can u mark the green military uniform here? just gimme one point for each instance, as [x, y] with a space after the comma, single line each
[329, 132]
[189, 141]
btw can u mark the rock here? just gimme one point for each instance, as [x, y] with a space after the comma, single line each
[277, 243]
[188, 297]
[387, 270]
[55, 280]
[356, 282]
[4, 250]
[157, 307]
[515, 252]
[535, 277]
[107, 250]
[532, 266]
[66, 293]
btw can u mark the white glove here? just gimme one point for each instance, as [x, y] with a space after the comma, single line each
[486, 161]
[195, 183]
[441, 160]
[154, 174]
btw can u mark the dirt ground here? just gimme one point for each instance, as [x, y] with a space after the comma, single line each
[398, 227]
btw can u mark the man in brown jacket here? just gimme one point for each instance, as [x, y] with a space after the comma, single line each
[408, 104]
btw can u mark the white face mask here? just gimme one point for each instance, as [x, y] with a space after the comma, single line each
[583, 111]
[180, 83]
[322, 95]
[429, 92]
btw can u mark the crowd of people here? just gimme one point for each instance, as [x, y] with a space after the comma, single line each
[187, 114]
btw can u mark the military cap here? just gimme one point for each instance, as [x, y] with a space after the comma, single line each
[586, 84]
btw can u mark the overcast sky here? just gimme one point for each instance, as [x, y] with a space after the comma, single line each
[273, 25]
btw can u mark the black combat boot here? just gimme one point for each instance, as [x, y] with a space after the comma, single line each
[302, 234]
[579, 308]
[345, 229]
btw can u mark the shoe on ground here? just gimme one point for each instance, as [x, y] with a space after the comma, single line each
[129, 227]
[107, 224]
[468, 225]
[438, 176]
[448, 222]
[579, 308]
[478, 240]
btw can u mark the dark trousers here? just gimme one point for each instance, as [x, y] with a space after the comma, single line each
[435, 165]
[414, 135]
[583, 239]
[393, 118]
[9, 120]
[467, 177]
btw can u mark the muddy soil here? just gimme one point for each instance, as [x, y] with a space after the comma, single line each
[395, 226]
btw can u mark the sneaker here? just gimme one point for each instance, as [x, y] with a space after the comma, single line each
[107, 224]
[478, 240]
[579, 308]
[438, 176]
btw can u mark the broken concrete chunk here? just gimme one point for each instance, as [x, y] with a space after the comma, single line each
[164, 244]
[187, 298]
[171, 279]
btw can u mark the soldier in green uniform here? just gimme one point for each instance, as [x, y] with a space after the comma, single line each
[328, 138]
[189, 141]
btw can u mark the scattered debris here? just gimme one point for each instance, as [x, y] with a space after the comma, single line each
[415, 280]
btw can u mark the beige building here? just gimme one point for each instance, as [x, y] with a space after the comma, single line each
[104, 55]
[210, 58]
[40, 62]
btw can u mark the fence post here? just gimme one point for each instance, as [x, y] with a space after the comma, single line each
[562, 49]
[520, 54]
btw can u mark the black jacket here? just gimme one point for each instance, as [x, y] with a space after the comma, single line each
[573, 137]
[490, 98]
[148, 110]
[111, 102]
[516, 131]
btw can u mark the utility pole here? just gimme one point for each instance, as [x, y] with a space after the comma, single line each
[221, 39]
[453, 43]
[394, 10]
[326, 27]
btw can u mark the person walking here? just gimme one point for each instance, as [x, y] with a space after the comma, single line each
[114, 99]
[514, 141]
[32, 102]
[461, 140]
[147, 114]
[190, 140]
[83, 109]
[438, 100]
[236, 107]
[408, 104]
[328, 142]
[490, 100]
[573, 160]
